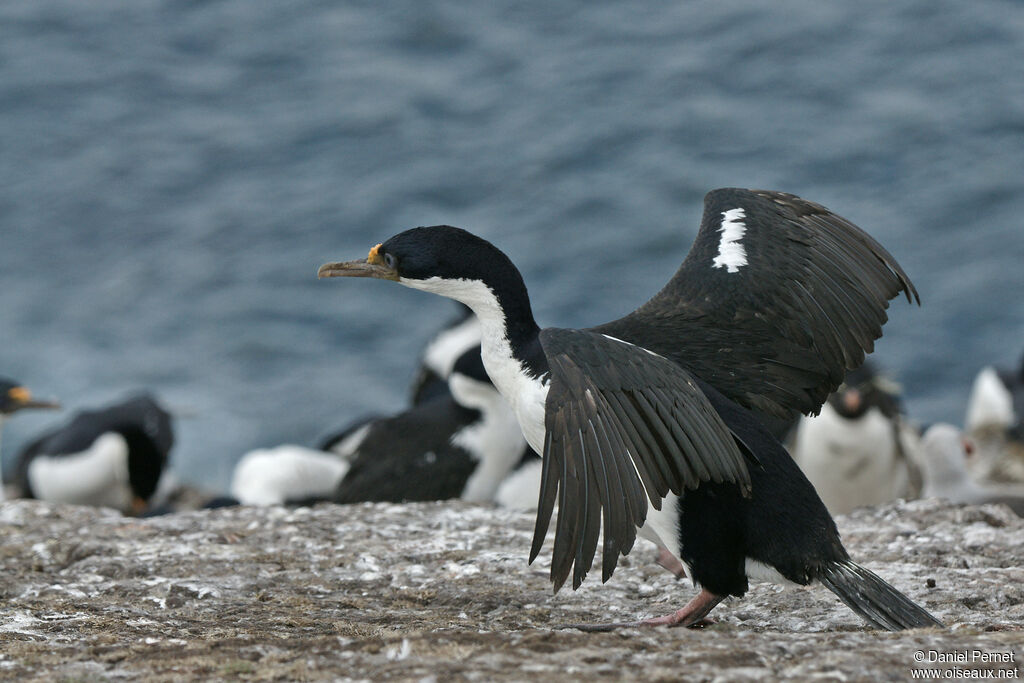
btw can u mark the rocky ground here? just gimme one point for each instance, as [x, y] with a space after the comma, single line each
[443, 592]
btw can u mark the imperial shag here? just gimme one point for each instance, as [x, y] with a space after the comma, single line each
[112, 457]
[459, 444]
[659, 409]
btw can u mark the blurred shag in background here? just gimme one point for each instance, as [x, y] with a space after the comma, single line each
[112, 456]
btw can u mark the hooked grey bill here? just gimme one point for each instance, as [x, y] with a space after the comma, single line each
[372, 266]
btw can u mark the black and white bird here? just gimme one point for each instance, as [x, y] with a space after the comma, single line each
[860, 449]
[112, 456]
[459, 443]
[14, 397]
[456, 445]
[430, 381]
[995, 423]
[650, 422]
[945, 454]
[293, 474]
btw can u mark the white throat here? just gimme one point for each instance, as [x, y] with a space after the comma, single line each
[525, 393]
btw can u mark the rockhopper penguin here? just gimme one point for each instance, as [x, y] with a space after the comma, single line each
[650, 423]
[860, 449]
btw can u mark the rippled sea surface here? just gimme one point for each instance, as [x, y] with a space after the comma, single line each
[172, 174]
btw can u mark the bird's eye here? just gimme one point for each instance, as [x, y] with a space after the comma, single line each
[390, 261]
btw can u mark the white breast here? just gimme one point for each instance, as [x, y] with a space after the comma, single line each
[851, 462]
[96, 476]
[273, 476]
[526, 394]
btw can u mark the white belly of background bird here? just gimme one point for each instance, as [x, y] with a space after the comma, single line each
[852, 463]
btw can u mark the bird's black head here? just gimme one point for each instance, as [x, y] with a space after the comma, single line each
[450, 262]
[439, 252]
[15, 397]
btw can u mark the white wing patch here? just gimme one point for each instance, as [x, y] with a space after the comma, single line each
[731, 253]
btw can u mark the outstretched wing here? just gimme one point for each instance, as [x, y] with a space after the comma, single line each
[777, 298]
[623, 426]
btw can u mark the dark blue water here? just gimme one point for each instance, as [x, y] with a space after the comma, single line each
[172, 174]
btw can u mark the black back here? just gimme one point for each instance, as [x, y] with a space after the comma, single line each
[409, 457]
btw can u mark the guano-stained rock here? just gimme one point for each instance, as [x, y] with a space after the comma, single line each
[442, 592]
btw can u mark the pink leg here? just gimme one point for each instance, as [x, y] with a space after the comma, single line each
[671, 563]
[692, 616]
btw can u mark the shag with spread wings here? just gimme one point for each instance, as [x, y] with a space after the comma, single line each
[777, 298]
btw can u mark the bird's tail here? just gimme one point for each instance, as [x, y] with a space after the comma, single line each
[876, 601]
